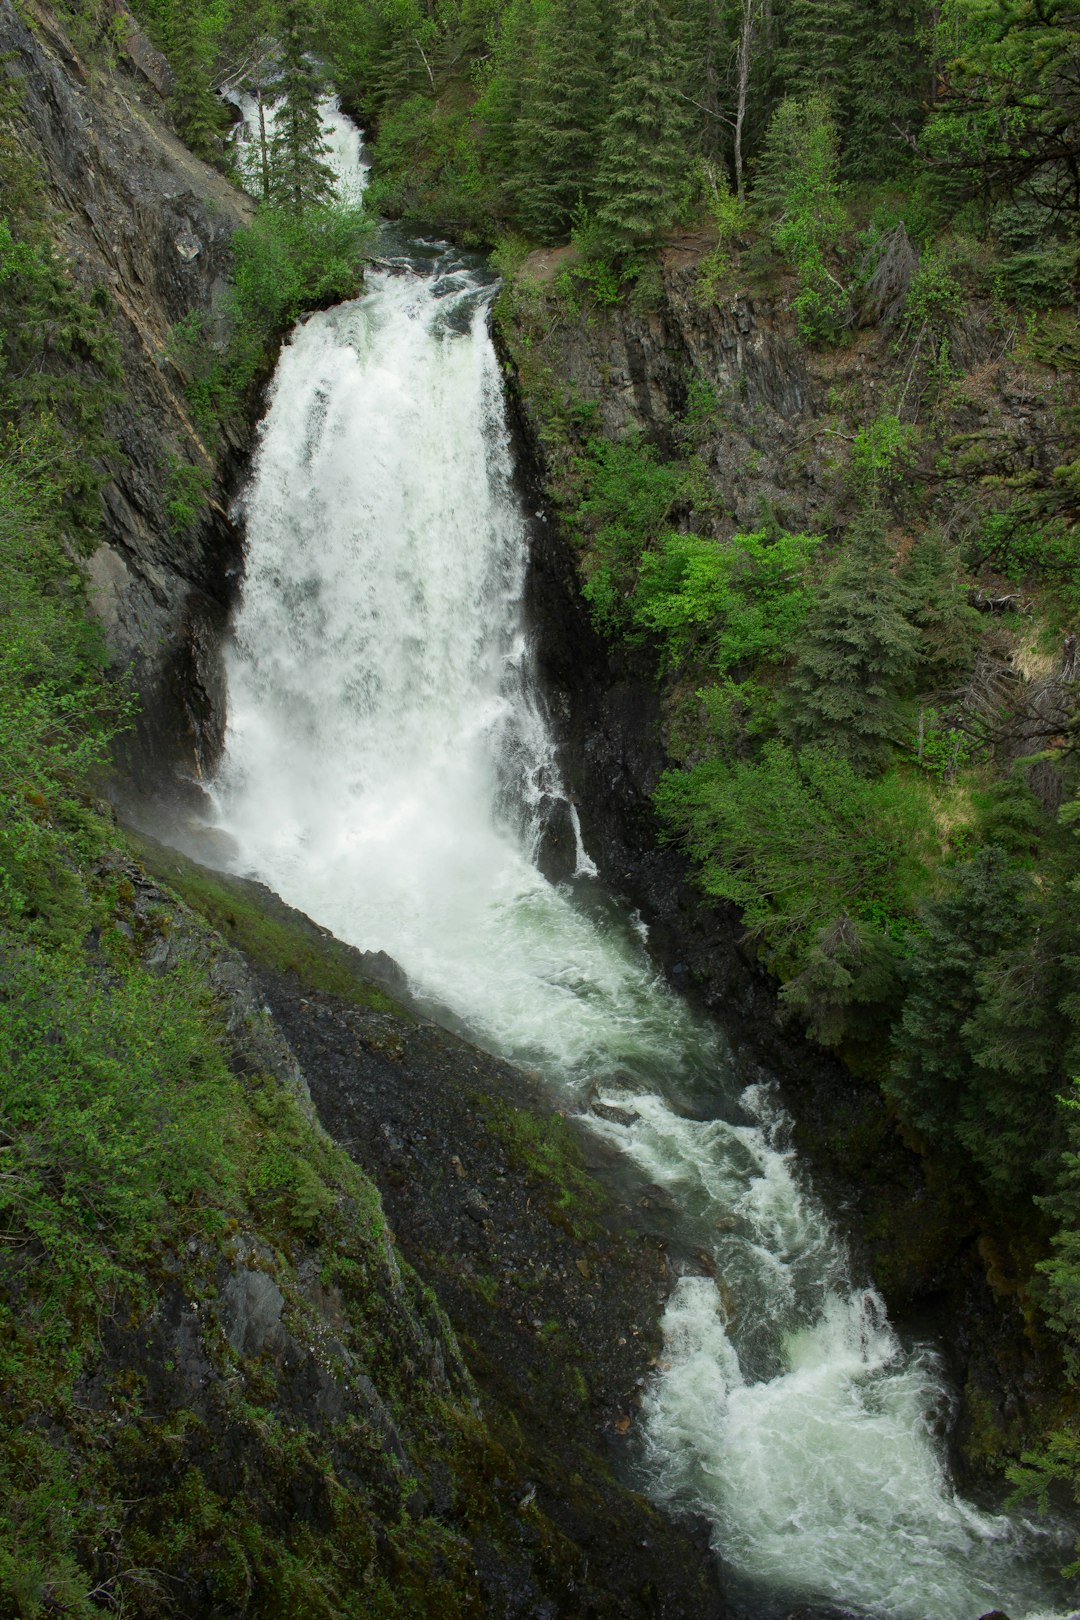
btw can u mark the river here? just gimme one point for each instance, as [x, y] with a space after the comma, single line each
[387, 770]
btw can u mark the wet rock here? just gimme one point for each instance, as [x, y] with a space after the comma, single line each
[250, 1313]
[558, 852]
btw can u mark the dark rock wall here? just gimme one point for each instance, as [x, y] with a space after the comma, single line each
[136, 214]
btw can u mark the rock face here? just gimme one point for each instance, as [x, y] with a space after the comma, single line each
[491, 1408]
[138, 216]
[782, 417]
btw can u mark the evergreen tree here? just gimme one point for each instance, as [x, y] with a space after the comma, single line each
[300, 178]
[503, 102]
[196, 110]
[707, 30]
[798, 195]
[558, 136]
[643, 155]
[403, 49]
[856, 659]
[948, 625]
[866, 57]
[980, 1049]
[820, 39]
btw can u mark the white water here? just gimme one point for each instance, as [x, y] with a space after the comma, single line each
[386, 771]
[344, 143]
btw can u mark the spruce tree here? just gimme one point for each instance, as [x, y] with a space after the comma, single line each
[503, 105]
[982, 1047]
[557, 138]
[643, 155]
[866, 56]
[856, 658]
[300, 177]
[948, 625]
[195, 109]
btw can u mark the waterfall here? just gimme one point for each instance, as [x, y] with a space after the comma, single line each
[387, 769]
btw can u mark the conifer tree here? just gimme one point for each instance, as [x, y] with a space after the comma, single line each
[856, 659]
[558, 136]
[503, 104]
[982, 1048]
[195, 108]
[643, 156]
[947, 623]
[865, 56]
[300, 177]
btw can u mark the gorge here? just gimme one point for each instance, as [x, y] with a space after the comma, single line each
[389, 708]
[388, 769]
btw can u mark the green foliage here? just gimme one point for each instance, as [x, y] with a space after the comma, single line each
[95, 1072]
[300, 178]
[627, 494]
[1005, 122]
[185, 494]
[856, 659]
[935, 297]
[562, 117]
[640, 174]
[797, 840]
[729, 217]
[1037, 551]
[198, 114]
[286, 263]
[726, 603]
[882, 458]
[427, 170]
[798, 195]
[939, 610]
[980, 1044]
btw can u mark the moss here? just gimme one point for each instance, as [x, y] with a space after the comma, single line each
[267, 931]
[545, 1150]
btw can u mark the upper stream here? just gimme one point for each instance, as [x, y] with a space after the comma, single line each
[387, 769]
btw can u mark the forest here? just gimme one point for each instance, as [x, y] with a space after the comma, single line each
[873, 724]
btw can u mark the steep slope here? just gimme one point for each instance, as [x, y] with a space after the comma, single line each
[148, 228]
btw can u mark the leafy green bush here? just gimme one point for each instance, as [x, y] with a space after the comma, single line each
[882, 458]
[727, 602]
[797, 839]
[286, 263]
[627, 495]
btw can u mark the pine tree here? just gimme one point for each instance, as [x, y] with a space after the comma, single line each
[300, 178]
[856, 659]
[558, 136]
[643, 155]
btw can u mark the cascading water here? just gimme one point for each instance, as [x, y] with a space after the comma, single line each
[386, 770]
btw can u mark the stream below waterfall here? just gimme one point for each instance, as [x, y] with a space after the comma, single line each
[388, 768]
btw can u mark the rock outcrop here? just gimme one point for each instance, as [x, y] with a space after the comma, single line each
[137, 216]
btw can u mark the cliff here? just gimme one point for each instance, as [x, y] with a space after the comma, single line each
[148, 226]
